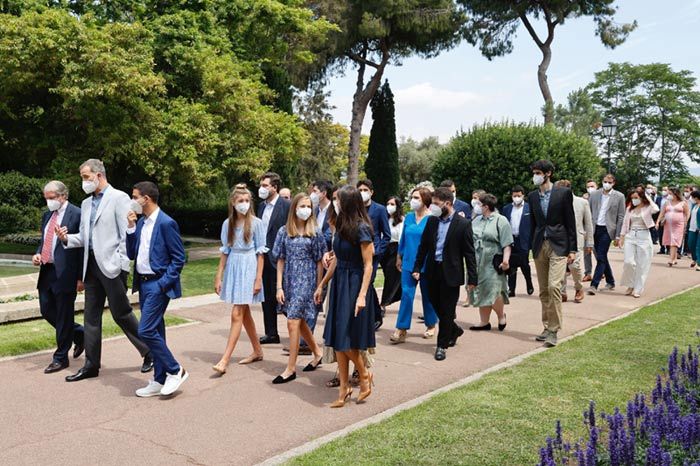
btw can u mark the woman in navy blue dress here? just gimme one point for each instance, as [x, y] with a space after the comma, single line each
[349, 325]
[298, 250]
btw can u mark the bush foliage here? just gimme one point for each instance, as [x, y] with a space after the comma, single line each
[496, 157]
[21, 202]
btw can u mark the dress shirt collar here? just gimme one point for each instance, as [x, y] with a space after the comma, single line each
[154, 215]
[62, 210]
[101, 193]
[446, 220]
[272, 202]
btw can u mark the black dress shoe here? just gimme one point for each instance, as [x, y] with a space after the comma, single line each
[310, 367]
[458, 333]
[378, 324]
[440, 354]
[55, 367]
[279, 379]
[269, 339]
[421, 317]
[530, 290]
[78, 350]
[83, 373]
[147, 363]
[502, 327]
[511, 294]
[477, 328]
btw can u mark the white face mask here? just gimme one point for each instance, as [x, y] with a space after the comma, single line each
[649, 191]
[416, 204]
[242, 207]
[591, 190]
[89, 186]
[607, 186]
[303, 213]
[263, 193]
[391, 209]
[315, 199]
[517, 200]
[686, 195]
[669, 197]
[478, 209]
[636, 202]
[53, 204]
[664, 193]
[366, 196]
[435, 210]
[454, 196]
[475, 202]
[136, 207]
[537, 180]
[336, 206]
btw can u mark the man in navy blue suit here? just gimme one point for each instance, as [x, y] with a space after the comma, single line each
[382, 235]
[59, 275]
[518, 214]
[461, 208]
[321, 194]
[273, 212]
[155, 245]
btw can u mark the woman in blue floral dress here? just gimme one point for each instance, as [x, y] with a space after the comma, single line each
[298, 250]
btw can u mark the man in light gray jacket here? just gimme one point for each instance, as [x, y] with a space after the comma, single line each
[102, 236]
[608, 212]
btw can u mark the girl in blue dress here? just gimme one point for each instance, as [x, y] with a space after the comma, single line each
[239, 276]
[298, 250]
[349, 325]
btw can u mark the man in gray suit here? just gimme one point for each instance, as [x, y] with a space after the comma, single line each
[608, 212]
[102, 236]
[584, 241]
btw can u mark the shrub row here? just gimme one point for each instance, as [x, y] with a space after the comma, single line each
[204, 222]
[21, 201]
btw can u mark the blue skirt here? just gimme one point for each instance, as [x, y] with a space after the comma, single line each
[343, 331]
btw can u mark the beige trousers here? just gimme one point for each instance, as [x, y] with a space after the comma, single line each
[551, 270]
[576, 273]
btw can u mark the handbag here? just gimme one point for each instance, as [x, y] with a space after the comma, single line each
[498, 258]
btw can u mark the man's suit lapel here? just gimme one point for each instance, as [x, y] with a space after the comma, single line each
[538, 207]
[450, 229]
[155, 234]
[101, 207]
[139, 228]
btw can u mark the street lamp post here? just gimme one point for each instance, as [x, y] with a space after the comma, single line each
[609, 130]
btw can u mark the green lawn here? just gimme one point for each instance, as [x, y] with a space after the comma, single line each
[11, 270]
[36, 335]
[12, 248]
[503, 418]
[198, 277]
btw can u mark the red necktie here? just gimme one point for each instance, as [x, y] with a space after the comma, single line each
[46, 249]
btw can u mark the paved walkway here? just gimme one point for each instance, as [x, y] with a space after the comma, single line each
[241, 418]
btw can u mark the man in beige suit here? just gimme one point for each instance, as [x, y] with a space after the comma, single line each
[584, 239]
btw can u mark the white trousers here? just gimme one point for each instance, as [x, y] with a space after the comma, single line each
[638, 253]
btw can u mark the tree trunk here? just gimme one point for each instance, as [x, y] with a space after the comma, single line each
[544, 85]
[360, 100]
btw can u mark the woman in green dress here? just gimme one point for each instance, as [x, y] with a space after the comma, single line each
[492, 236]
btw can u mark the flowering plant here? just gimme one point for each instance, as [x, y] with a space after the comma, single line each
[663, 430]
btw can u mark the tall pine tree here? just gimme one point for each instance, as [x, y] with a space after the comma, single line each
[382, 164]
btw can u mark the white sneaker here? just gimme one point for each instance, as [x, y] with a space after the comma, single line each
[152, 389]
[173, 382]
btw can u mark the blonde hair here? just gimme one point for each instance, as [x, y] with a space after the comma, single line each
[239, 190]
[310, 224]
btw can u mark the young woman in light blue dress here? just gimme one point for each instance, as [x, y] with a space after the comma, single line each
[239, 276]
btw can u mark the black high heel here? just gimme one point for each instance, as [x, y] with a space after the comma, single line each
[502, 326]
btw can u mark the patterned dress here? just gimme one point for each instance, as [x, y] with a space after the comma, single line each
[674, 224]
[242, 264]
[491, 236]
[300, 254]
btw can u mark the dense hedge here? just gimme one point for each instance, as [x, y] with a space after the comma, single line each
[199, 221]
[21, 202]
[495, 157]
